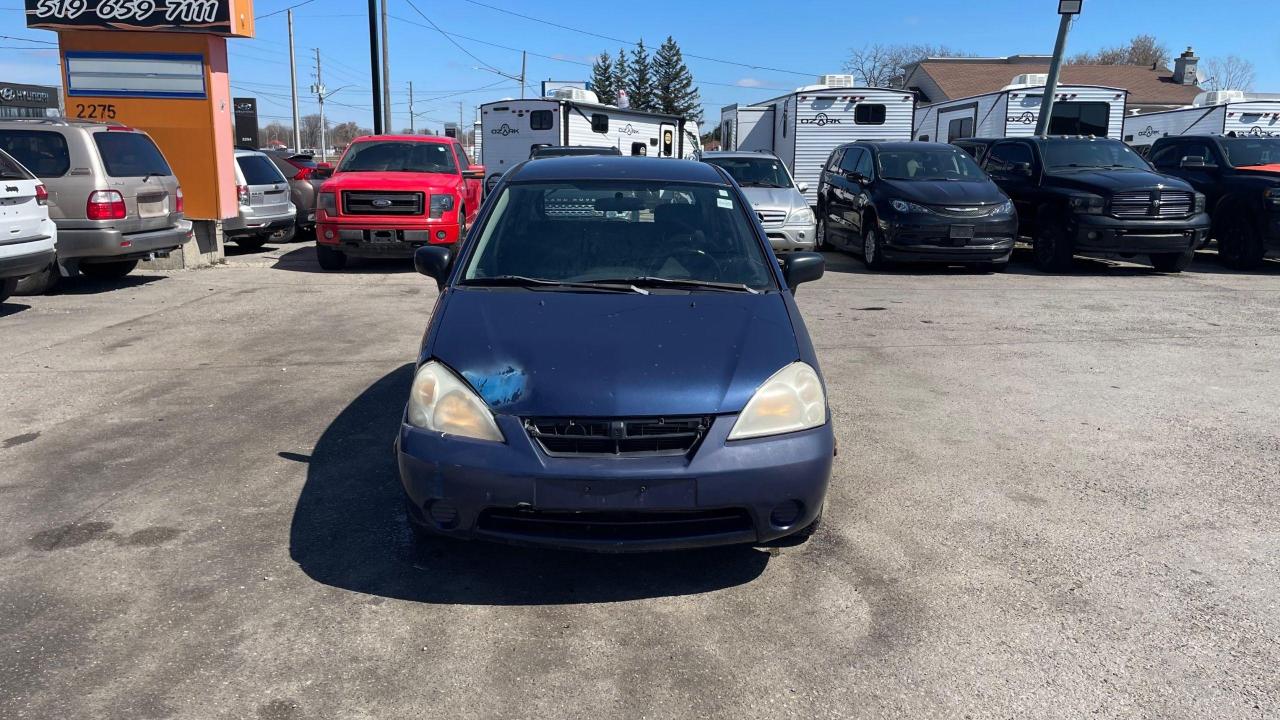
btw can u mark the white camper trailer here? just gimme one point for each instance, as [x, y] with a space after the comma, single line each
[512, 128]
[477, 143]
[1014, 110]
[746, 128]
[812, 121]
[1221, 112]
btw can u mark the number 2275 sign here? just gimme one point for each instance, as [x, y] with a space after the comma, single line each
[203, 16]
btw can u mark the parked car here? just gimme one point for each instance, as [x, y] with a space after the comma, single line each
[550, 151]
[633, 377]
[914, 201]
[305, 176]
[1240, 178]
[1084, 195]
[778, 201]
[392, 194]
[265, 208]
[111, 194]
[28, 237]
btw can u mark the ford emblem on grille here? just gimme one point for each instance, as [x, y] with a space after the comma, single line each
[381, 203]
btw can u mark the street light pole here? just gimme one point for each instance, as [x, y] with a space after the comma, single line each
[374, 69]
[293, 86]
[1068, 9]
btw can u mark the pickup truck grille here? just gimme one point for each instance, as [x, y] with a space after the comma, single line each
[566, 437]
[1152, 204]
[772, 217]
[381, 203]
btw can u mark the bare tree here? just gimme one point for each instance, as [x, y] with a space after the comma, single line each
[311, 131]
[1227, 73]
[880, 65]
[343, 133]
[1141, 50]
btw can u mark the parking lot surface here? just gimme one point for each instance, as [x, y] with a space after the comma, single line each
[1055, 497]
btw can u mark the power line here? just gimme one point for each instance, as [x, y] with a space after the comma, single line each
[283, 9]
[22, 39]
[450, 39]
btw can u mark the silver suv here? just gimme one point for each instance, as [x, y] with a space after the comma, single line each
[265, 207]
[111, 194]
[778, 201]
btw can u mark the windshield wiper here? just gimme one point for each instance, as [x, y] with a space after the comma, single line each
[651, 281]
[532, 282]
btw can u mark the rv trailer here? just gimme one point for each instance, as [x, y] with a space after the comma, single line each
[814, 120]
[746, 128]
[513, 128]
[1014, 110]
[1222, 112]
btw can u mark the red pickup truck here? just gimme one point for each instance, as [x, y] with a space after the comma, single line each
[391, 194]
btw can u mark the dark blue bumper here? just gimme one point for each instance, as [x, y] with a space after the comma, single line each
[724, 493]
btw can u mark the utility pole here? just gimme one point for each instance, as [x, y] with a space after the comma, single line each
[522, 67]
[1068, 9]
[412, 127]
[386, 71]
[318, 89]
[374, 71]
[293, 88]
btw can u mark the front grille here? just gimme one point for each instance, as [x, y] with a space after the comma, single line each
[772, 217]
[614, 526]
[382, 203]
[567, 437]
[964, 211]
[1152, 204]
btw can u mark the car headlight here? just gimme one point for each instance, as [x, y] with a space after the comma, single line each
[439, 400]
[1272, 195]
[440, 204]
[903, 206]
[1200, 202]
[801, 216]
[328, 203]
[1005, 209]
[1088, 204]
[790, 401]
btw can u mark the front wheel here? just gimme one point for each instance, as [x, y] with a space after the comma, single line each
[821, 232]
[39, 282]
[329, 258]
[1240, 244]
[108, 270]
[1173, 262]
[1052, 248]
[873, 249]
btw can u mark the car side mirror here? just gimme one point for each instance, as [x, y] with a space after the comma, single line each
[434, 262]
[1022, 168]
[803, 187]
[1196, 162]
[802, 267]
[473, 174]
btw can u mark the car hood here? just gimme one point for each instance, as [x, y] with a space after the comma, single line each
[1271, 169]
[762, 198]
[1111, 181]
[444, 182]
[945, 192]
[551, 353]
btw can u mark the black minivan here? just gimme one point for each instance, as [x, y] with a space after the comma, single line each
[914, 201]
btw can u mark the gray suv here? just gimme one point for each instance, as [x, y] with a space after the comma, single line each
[265, 207]
[777, 200]
[111, 194]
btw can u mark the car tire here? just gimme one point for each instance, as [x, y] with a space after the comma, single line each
[252, 242]
[873, 249]
[1173, 262]
[462, 224]
[1240, 244]
[1051, 248]
[330, 259]
[40, 282]
[7, 286]
[821, 240]
[113, 270]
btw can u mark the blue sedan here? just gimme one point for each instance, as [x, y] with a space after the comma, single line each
[616, 362]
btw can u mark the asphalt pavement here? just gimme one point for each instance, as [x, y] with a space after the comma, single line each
[1055, 497]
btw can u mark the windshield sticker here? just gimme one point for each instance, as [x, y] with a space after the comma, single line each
[726, 204]
[724, 193]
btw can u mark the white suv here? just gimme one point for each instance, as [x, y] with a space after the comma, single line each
[27, 235]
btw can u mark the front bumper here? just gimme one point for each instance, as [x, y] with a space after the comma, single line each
[387, 240]
[1272, 236]
[792, 238]
[927, 238]
[725, 493]
[111, 244]
[1106, 234]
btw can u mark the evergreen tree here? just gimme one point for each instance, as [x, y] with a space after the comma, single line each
[640, 82]
[621, 77]
[673, 84]
[602, 79]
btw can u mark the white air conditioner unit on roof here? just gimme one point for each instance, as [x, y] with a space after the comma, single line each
[836, 81]
[1030, 80]
[576, 94]
[1219, 97]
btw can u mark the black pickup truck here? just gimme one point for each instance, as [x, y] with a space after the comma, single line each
[1240, 176]
[1084, 195]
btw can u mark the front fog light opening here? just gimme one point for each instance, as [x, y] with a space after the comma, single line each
[786, 514]
[444, 515]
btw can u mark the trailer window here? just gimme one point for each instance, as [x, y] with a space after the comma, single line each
[599, 123]
[639, 149]
[1080, 118]
[540, 120]
[960, 128]
[864, 114]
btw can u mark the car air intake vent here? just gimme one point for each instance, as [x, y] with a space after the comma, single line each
[772, 217]
[567, 437]
[618, 526]
[1152, 204]
[964, 211]
[382, 203]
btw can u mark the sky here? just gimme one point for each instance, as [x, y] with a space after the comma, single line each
[749, 50]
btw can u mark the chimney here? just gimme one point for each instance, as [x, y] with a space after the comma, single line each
[1184, 68]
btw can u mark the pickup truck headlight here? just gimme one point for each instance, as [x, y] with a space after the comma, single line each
[1088, 204]
[327, 203]
[440, 204]
[440, 401]
[801, 216]
[790, 401]
[1272, 195]
[903, 206]
[1200, 203]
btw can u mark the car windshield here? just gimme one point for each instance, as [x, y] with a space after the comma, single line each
[1244, 152]
[635, 233]
[934, 164]
[398, 156]
[1069, 155]
[755, 172]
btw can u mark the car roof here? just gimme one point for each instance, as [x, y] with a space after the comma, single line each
[899, 145]
[438, 139]
[245, 152]
[609, 167]
[748, 154]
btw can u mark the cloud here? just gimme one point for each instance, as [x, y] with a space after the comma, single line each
[749, 82]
